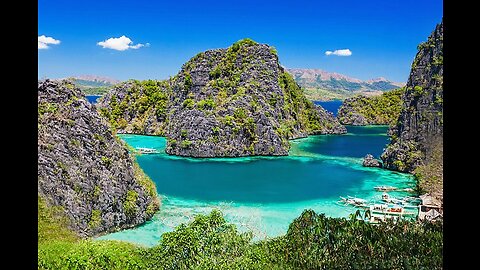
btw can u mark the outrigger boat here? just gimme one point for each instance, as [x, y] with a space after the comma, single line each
[385, 188]
[144, 150]
[388, 199]
[354, 201]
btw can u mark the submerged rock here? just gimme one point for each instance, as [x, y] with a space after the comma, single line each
[370, 161]
[84, 169]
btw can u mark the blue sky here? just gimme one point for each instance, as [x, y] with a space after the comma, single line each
[382, 35]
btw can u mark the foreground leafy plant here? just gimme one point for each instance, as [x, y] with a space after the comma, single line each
[313, 241]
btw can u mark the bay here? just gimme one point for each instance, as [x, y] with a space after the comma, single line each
[263, 194]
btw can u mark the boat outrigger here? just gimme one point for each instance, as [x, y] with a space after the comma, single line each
[354, 201]
[144, 150]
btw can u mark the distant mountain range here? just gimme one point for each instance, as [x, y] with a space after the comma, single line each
[93, 84]
[323, 85]
[318, 84]
[103, 81]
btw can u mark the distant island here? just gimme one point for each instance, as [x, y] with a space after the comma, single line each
[228, 102]
[361, 110]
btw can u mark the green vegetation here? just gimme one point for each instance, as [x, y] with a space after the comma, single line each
[273, 51]
[144, 98]
[188, 103]
[46, 107]
[378, 110]
[53, 224]
[317, 242]
[95, 218]
[429, 175]
[107, 161]
[206, 104]
[216, 130]
[130, 203]
[418, 90]
[89, 254]
[96, 192]
[188, 81]
[144, 180]
[243, 42]
[215, 73]
[313, 241]
[186, 144]
[228, 120]
[298, 105]
[239, 113]
[400, 165]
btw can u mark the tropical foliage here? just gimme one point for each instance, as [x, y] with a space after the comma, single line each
[378, 110]
[313, 241]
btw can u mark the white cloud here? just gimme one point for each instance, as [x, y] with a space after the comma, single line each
[343, 52]
[43, 42]
[120, 44]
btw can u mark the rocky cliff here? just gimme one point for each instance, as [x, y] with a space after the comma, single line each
[419, 128]
[84, 169]
[229, 102]
[377, 110]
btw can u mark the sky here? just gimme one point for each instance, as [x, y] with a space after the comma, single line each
[152, 39]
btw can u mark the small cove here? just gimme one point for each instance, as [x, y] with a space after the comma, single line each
[263, 194]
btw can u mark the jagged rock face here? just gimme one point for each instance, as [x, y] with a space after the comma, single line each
[85, 169]
[256, 105]
[377, 110]
[232, 102]
[370, 161]
[421, 118]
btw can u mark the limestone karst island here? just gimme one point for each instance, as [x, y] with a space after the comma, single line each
[209, 136]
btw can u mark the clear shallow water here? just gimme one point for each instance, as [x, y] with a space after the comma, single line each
[263, 194]
[331, 106]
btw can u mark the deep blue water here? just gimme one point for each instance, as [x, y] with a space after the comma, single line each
[256, 181]
[263, 194]
[92, 99]
[331, 106]
[269, 180]
[358, 142]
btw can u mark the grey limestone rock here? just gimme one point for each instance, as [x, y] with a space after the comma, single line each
[84, 168]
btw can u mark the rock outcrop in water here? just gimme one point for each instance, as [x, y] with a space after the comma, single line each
[229, 102]
[377, 110]
[419, 128]
[370, 161]
[84, 169]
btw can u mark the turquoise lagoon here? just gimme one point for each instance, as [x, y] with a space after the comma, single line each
[263, 194]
